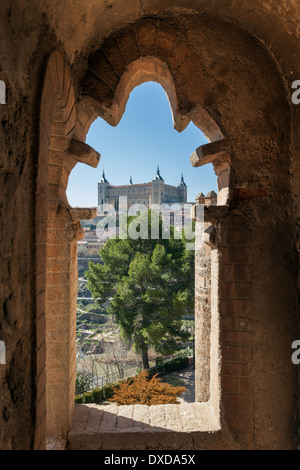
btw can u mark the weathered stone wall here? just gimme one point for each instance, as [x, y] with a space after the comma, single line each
[19, 149]
[234, 62]
[256, 151]
[202, 323]
[56, 247]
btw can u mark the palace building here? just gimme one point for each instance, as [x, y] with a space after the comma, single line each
[155, 192]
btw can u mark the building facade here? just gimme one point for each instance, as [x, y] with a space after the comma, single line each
[155, 192]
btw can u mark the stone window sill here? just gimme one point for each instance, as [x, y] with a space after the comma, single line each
[98, 426]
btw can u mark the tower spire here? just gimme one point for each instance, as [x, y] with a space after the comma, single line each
[103, 179]
[158, 175]
[182, 183]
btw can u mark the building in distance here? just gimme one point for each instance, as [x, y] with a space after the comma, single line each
[154, 192]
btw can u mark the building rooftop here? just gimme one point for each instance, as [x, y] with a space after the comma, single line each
[211, 194]
[158, 175]
[103, 179]
[182, 183]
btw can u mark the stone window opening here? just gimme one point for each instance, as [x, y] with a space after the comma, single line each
[63, 231]
[144, 190]
[229, 68]
[206, 405]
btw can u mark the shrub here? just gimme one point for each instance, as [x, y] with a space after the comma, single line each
[159, 360]
[129, 380]
[146, 392]
[83, 383]
[168, 366]
[160, 369]
[79, 399]
[108, 390]
[88, 397]
[180, 363]
[97, 395]
[151, 372]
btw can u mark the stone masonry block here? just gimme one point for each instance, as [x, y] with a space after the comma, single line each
[166, 39]
[98, 89]
[235, 323]
[239, 385]
[127, 42]
[102, 68]
[235, 290]
[236, 272]
[235, 369]
[145, 31]
[240, 421]
[235, 308]
[235, 402]
[235, 353]
[114, 56]
[236, 338]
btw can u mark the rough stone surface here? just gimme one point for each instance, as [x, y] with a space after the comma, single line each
[103, 426]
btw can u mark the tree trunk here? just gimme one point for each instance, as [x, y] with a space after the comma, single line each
[145, 356]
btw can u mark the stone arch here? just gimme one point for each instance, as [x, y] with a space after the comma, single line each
[144, 51]
[217, 101]
[57, 230]
[228, 84]
[99, 101]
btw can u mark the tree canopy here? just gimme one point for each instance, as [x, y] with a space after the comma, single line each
[149, 284]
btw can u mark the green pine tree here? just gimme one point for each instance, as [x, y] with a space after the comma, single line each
[150, 285]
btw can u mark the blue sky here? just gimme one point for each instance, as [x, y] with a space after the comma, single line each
[143, 139]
